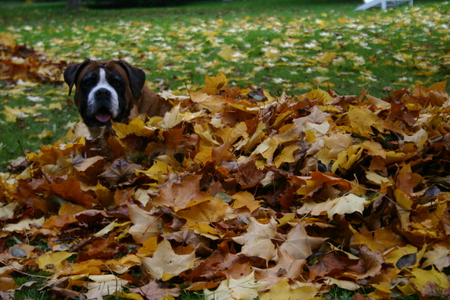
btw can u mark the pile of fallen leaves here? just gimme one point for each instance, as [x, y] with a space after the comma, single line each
[240, 194]
[21, 62]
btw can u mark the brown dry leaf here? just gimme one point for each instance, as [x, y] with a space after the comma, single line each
[182, 195]
[253, 184]
[154, 291]
[439, 257]
[245, 288]
[257, 241]
[249, 174]
[286, 267]
[70, 189]
[120, 173]
[407, 180]
[317, 180]
[330, 264]
[166, 264]
[145, 225]
[370, 262]
[298, 244]
[104, 285]
[21, 62]
[81, 165]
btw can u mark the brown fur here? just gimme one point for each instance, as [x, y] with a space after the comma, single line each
[149, 104]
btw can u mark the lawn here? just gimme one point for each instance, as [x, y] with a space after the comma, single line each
[273, 45]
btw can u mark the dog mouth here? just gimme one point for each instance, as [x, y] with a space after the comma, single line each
[103, 115]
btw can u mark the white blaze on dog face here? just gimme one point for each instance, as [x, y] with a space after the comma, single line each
[92, 104]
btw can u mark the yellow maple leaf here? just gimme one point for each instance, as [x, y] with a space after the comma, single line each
[246, 287]
[395, 255]
[7, 40]
[121, 266]
[421, 277]
[214, 84]
[283, 291]
[44, 134]
[204, 229]
[346, 205]
[175, 117]
[23, 224]
[403, 205]
[326, 57]
[286, 155]
[7, 211]
[158, 170]
[204, 155]
[11, 114]
[362, 120]
[228, 53]
[206, 100]
[245, 199]
[343, 284]
[231, 134]
[347, 158]
[318, 95]
[266, 149]
[171, 118]
[272, 53]
[382, 239]
[52, 261]
[210, 211]
[136, 127]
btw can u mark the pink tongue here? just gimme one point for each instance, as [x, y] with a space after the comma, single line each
[102, 117]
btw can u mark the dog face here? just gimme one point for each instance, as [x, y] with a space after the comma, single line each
[104, 90]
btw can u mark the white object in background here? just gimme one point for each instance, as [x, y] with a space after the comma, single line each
[383, 3]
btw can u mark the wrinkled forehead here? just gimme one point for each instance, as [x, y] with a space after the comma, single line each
[109, 67]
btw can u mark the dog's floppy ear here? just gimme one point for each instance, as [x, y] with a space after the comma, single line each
[136, 76]
[71, 73]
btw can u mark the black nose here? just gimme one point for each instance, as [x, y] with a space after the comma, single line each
[102, 94]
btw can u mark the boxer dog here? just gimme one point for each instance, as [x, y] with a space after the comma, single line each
[112, 91]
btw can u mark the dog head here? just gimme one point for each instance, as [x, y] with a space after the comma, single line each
[105, 91]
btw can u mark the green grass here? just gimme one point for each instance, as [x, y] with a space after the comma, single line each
[178, 46]
[34, 283]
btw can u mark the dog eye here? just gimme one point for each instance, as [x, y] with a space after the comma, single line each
[88, 82]
[117, 84]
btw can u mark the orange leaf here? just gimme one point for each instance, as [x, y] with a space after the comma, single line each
[182, 195]
[70, 189]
